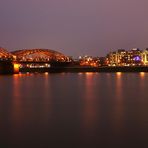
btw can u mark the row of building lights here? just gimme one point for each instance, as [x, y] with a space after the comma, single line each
[121, 57]
[133, 57]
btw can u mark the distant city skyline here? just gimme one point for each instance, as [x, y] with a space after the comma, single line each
[74, 27]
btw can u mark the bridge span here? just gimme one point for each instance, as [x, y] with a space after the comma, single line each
[31, 59]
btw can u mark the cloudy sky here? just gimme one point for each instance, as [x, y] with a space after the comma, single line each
[74, 27]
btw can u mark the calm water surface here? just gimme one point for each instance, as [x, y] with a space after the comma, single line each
[74, 110]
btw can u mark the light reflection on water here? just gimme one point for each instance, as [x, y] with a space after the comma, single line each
[119, 113]
[142, 74]
[89, 101]
[87, 109]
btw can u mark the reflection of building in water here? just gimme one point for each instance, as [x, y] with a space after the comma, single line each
[142, 74]
[89, 102]
[119, 102]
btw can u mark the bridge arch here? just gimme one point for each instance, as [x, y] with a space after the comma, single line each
[39, 55]
[4, 54]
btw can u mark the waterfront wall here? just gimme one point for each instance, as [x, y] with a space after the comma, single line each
[86, 69]
[8, 67]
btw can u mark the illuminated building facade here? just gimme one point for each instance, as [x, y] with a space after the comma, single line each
[89, 61]
[133, 57]
[117, 58]
[144, 56]
[125, 58]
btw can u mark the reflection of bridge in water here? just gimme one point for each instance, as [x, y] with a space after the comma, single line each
[33, 58]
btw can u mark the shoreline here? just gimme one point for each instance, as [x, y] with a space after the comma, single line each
[86, 69]
[8, 69]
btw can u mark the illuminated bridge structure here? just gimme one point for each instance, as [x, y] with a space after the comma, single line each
[39, 55]
[4, 54]
[37, 59]
[32, 59]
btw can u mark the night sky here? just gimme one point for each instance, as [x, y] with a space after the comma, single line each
[74, 27]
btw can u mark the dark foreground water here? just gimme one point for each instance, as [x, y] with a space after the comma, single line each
[74, 110]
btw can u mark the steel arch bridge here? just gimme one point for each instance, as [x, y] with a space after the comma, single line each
[4, 54]
[39, 55]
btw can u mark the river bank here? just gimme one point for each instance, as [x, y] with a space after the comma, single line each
[86, 69]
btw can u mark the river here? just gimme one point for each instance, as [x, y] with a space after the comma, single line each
[74, 110]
